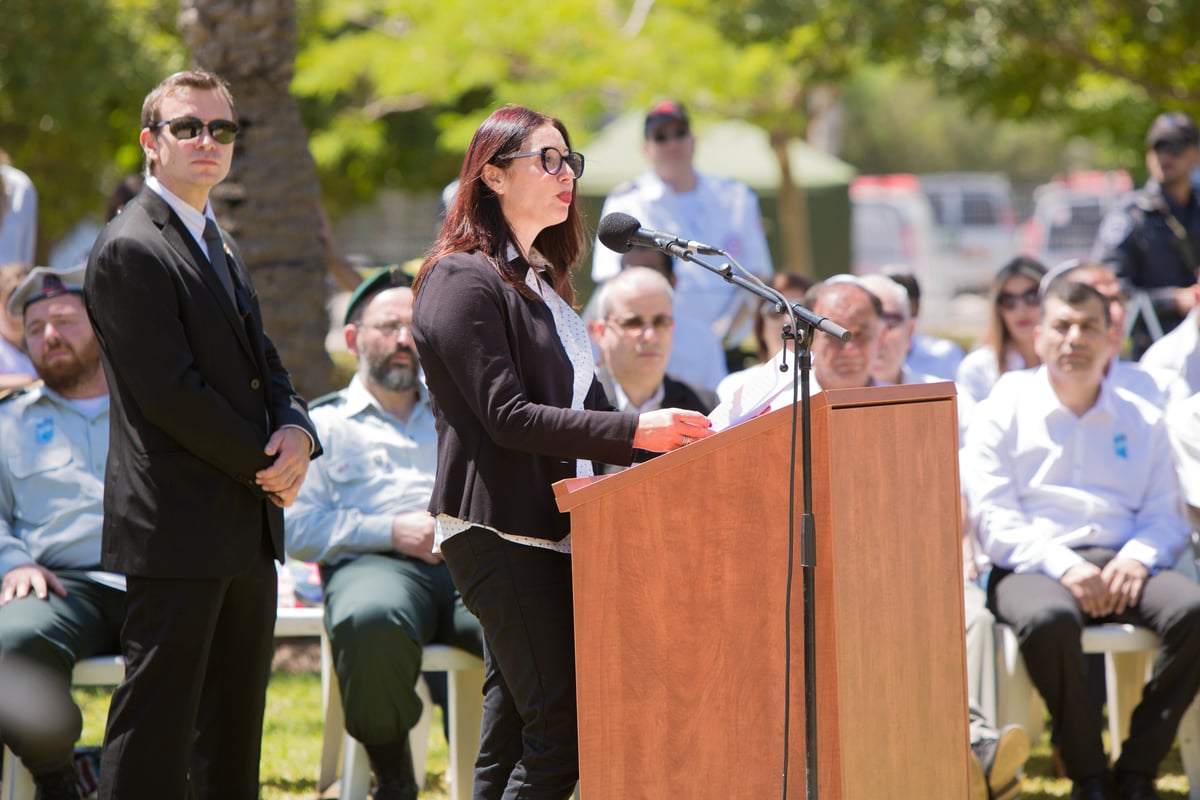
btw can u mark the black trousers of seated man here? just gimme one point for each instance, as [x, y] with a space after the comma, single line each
[1049, 625]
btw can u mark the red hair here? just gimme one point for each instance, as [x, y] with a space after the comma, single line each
[474, 220]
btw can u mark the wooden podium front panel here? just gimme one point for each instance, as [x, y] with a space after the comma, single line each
[686, 614]
[889, 590]
[680, 572]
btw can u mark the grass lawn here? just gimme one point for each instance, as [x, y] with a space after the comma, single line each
[291, 751]
[292, 746]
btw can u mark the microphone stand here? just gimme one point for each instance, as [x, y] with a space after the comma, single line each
[800, 331]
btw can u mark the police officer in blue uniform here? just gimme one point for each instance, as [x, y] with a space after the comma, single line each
[1153, 242]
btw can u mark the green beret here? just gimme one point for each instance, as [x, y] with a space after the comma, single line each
[390, 277]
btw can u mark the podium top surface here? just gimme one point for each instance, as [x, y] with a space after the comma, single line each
[573, 492]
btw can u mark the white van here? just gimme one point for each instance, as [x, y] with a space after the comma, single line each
[976, 224]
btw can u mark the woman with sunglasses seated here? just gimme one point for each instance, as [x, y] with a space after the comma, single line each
[510, 370]
[1007, 344]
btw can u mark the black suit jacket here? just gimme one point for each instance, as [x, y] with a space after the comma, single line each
[501, 385]
[676, 394]
[196, 390]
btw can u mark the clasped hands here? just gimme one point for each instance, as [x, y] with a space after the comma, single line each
[281, 481]
[1108, 590]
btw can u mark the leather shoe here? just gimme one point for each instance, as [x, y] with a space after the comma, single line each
[393, 768]
[1136, 786]
[62, 784]
[1099, 788]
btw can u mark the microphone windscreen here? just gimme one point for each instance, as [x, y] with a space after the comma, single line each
[616, 232]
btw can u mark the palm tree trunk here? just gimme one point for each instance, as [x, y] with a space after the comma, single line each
[794, 235]
[270, 201]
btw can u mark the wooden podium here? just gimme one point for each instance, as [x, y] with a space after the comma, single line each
[680, 570]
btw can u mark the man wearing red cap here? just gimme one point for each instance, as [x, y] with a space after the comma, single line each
[719, 211]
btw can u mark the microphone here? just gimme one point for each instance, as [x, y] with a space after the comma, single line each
[621, 233]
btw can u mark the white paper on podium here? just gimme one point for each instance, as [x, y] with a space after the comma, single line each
[766, 388]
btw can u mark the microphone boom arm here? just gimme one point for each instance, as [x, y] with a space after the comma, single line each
[823, 324]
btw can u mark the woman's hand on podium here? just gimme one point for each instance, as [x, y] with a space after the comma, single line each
[669, 429]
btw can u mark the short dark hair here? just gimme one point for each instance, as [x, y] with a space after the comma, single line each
[906, 279]
[1075, 295]
[188, 79]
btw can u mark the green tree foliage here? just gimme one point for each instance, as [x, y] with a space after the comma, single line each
[72, 77]
[393, 89]
[1101, 69]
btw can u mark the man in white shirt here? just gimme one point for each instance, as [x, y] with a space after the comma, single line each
[1158, 385]
[1178, 352]
[18, 215]
[720, 211]
[849, 303]
[898, 329]
[634, 334]
[927, 354]
[1079, 510]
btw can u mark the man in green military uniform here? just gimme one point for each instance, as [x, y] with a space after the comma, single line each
[56, 607]
[362, 515]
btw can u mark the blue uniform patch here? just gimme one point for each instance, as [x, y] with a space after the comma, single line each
[43, 432]
[1119, 446]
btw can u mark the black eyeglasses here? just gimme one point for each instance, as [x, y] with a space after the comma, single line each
[633, 326]
[666, 136]
[553, 160]
[389, 330]
[1009, 301]
[223, 131]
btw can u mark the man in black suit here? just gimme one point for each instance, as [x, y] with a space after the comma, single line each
[633, 332]
[209, 442]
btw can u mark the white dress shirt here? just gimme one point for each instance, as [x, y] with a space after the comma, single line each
[721, 211]
[933, 355]
[1043, 481]
[1178, 352]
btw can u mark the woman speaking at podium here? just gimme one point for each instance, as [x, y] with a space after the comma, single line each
[510, 372]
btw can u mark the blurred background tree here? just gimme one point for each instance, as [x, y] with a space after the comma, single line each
[389, 91]
[72, 78]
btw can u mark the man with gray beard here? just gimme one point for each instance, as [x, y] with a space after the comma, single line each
[361, 514]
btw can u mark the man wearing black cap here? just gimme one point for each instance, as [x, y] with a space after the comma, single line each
[722, 212]
[55, 605]
[1153, 243]
[362, 515]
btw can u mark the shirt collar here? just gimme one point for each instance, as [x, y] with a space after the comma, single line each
[44, 394]
[192, 219]
[623, 403]
[1103, 405]
[358, 399]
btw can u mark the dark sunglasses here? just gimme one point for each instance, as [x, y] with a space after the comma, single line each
[223, 131]
[1008, 301]
[666, 136]
[553, 160]
[1172, 147]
